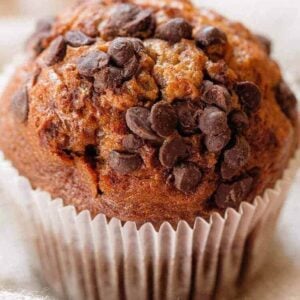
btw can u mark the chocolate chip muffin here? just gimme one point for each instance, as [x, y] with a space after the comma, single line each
[148, 112]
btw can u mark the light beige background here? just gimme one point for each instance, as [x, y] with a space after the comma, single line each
[280, 19]
[280, 280]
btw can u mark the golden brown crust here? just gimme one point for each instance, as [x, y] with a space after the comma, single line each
[65, 144]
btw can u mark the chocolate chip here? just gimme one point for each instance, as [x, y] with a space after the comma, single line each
[132, 142]
[137, 120]
[108, 78]
[42, 32]
[131, 68]
[210, 35]
[129, 20]
[137, 45]
[215, 143]
[34, 76]
[286, 100]
[187, 114]
[235, 158]
[212, 41]
[20, 106]
[174, 30]
[121, 51]
[205, 86]
[163, 119]
[142, 26]
[124, 163]
[93, 61]
[217, 95]
[238, 121]
[187, 177]
[45, 24]
[231, 195]
[35, 43]
[249, 95]
[213, 121]
[172, 150]
[238, 155]
[76, 38]
[266, 43]
[56, 51]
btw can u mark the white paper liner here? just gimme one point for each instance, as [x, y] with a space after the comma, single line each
[95, 259]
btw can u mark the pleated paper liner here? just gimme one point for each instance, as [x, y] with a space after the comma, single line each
[81, 258]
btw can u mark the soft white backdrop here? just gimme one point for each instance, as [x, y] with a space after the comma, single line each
[278, 19]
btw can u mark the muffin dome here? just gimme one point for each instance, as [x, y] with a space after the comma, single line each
[148, 112]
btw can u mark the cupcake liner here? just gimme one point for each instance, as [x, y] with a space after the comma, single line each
[81, 258]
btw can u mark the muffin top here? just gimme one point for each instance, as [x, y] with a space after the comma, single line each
[148, 111]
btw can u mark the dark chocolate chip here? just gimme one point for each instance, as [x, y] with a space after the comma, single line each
[187, 177]
[266, 43]
[142, 26]
[121, 51]
[231, 195]
[215, 143]
[124, 163]
[217, 95]
[212, 41]
[34, 76]
[56, 51]
[163, 119]
[35, 43]
[108, 78]
[45, 24]
[187, 114]
[76, 38]
[129, 20]
[89, 64]
[20, 106]
[172, 150]
[286, 100]
[235, 158]
[131, 67]
[132, 142]
[42, 31]
[137, 120]
[238, 121]
[210, 35]
[137, 45]
[249, 95]
[213, 121]
[205, 86]
[238, 155]
[174, 30]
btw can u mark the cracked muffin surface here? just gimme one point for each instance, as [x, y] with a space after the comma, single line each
[148, 112]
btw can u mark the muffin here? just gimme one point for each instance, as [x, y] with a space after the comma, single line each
[152, 112]
[148, 112]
